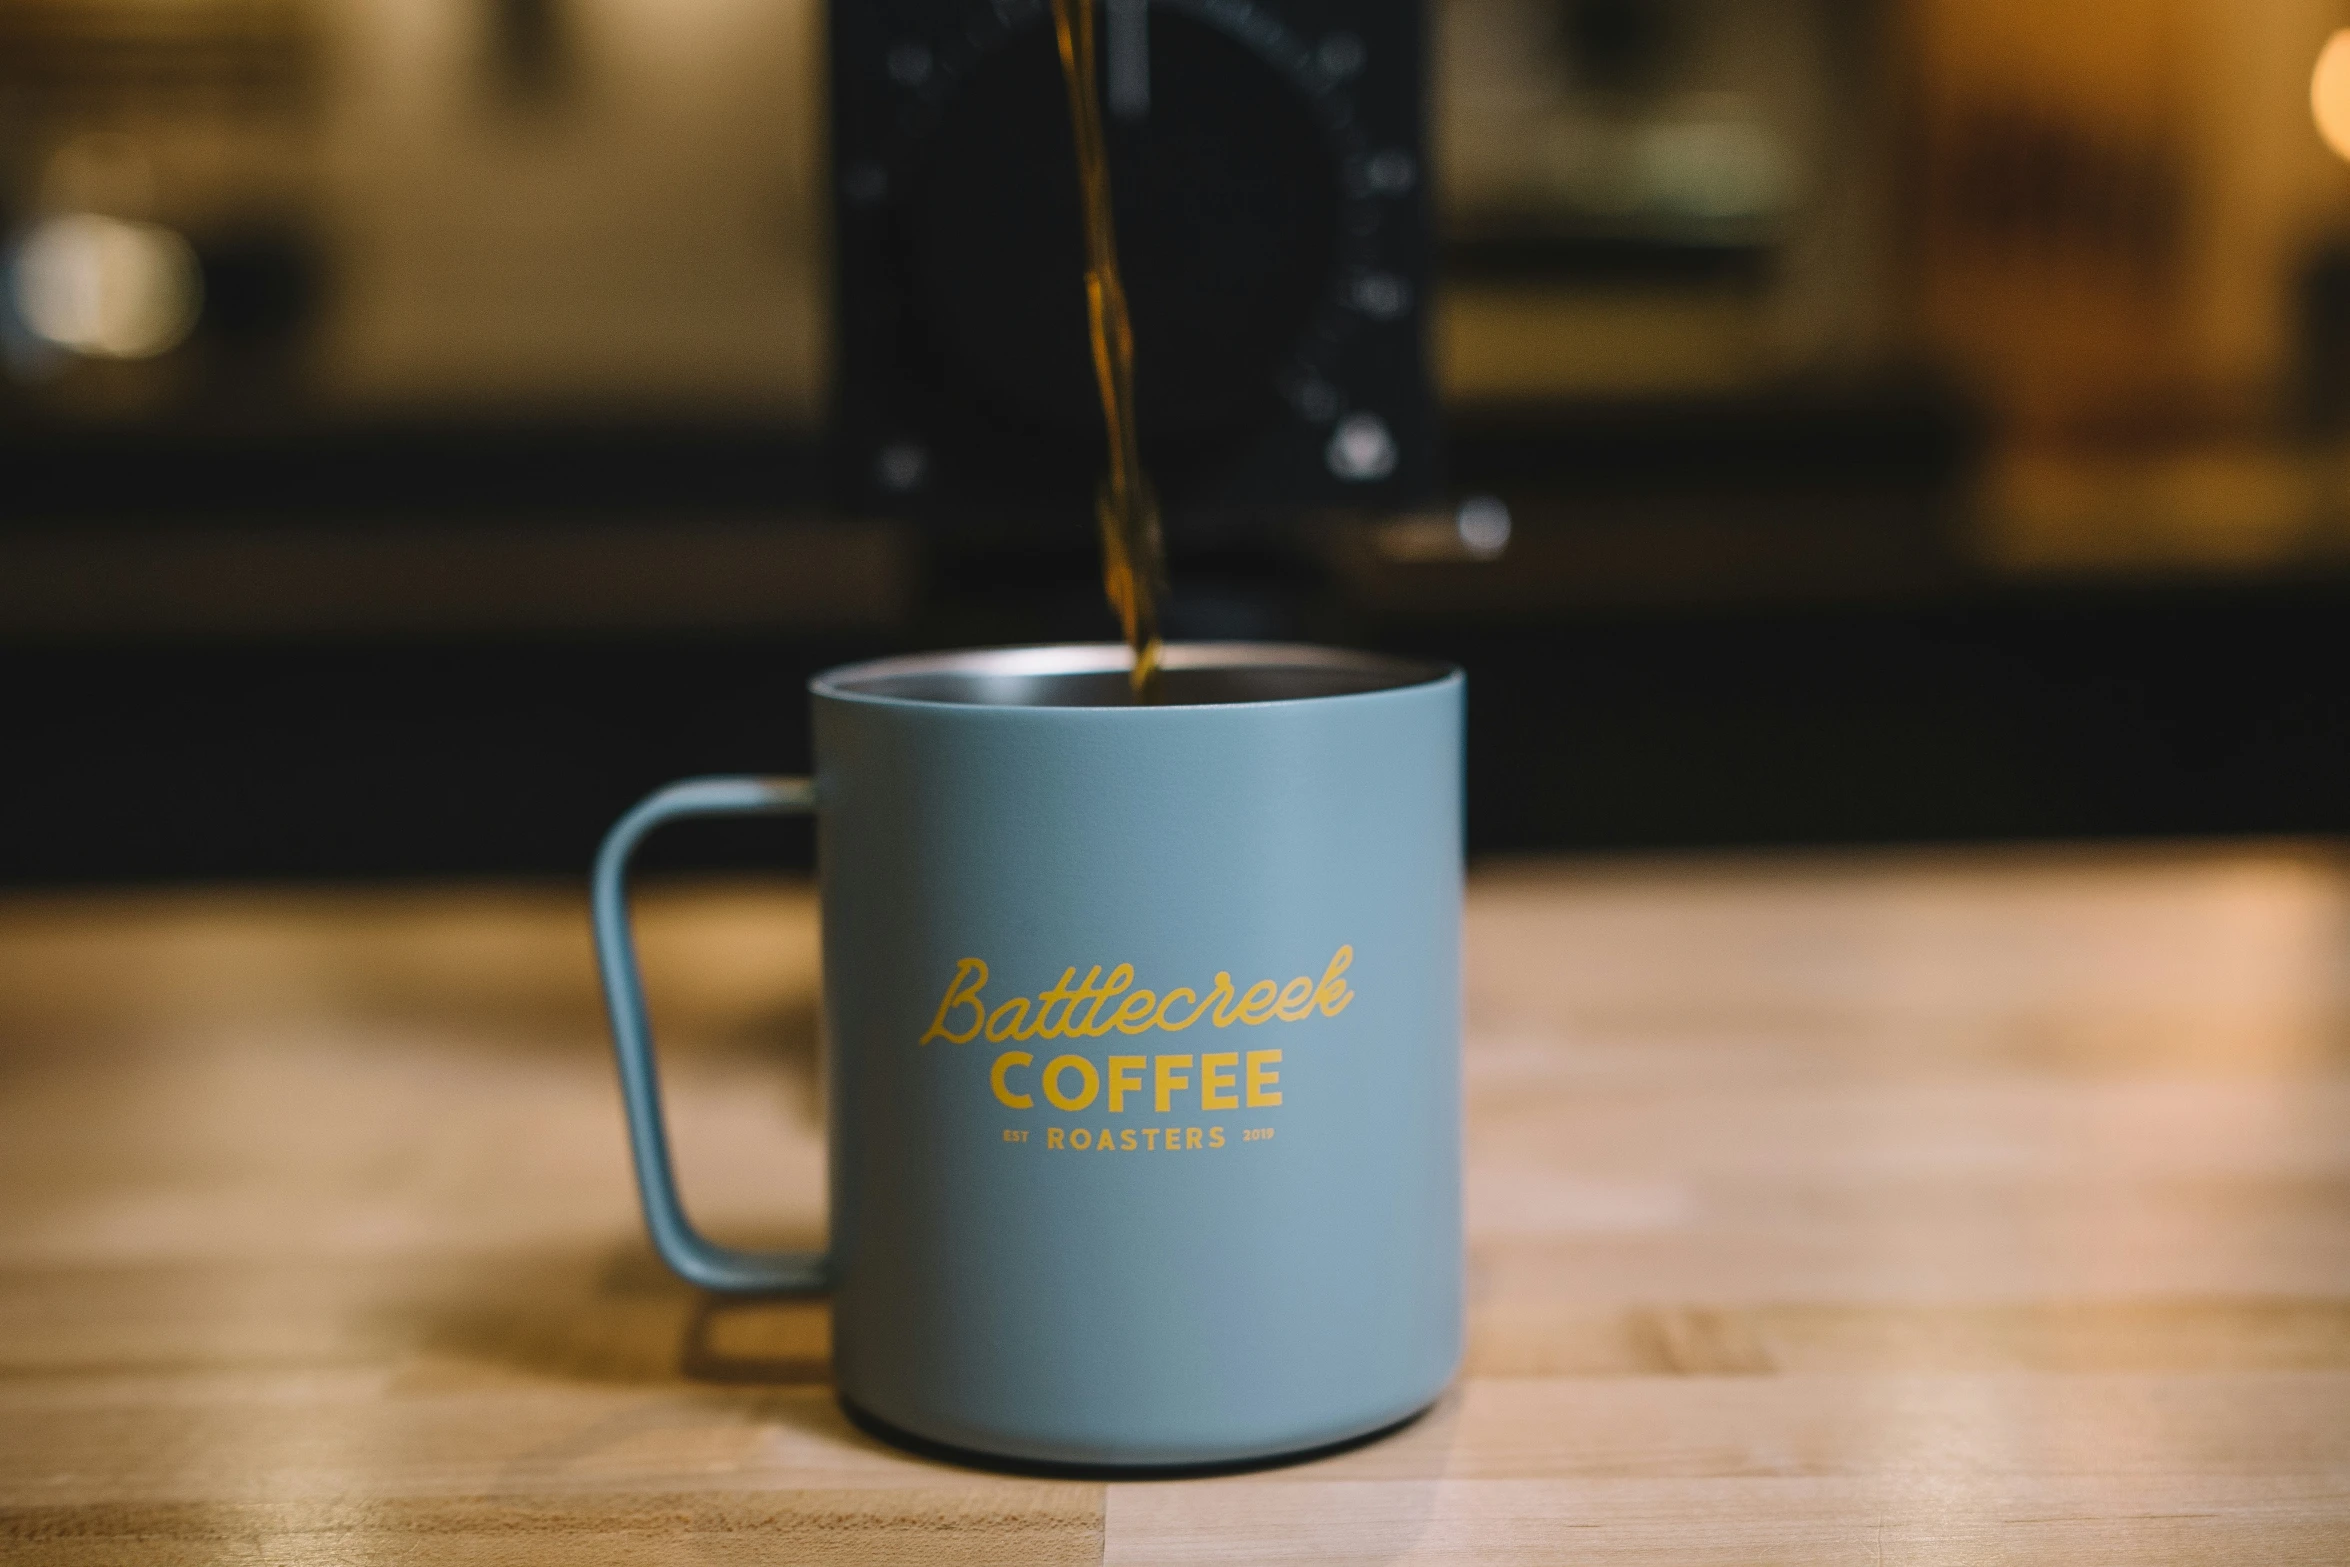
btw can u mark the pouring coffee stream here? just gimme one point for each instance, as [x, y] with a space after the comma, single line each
[1134, 569]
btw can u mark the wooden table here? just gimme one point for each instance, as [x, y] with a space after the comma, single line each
[1869, 1210]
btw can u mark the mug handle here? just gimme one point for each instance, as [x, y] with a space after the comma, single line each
[695, 1258]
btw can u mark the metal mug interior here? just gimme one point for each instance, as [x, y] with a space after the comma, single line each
[1191, 674]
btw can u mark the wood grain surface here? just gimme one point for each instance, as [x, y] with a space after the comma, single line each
[1960, 1208]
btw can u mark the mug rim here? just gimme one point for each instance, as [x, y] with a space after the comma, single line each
[1095, 658]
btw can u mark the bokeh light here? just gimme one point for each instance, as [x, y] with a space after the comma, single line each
[2329, 92]
[106, 288]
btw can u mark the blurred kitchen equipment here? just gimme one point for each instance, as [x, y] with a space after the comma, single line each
[157, 210]
[1665, 198]
[1268, 167]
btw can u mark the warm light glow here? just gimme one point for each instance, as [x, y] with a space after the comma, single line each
[2329, 92]
[106, 288]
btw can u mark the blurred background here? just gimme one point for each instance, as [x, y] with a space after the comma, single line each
[427, 424]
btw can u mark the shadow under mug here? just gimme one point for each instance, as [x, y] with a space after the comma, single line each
[1144, 1047]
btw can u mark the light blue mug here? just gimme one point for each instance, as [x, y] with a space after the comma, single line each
[1144, 1048]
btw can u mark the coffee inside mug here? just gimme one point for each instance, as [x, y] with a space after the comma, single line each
[1206, 674]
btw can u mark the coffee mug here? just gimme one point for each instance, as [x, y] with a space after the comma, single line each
[1143, 1048]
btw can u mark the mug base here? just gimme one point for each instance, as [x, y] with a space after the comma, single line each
[1056, 1469]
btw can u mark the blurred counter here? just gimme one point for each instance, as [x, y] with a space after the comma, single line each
[1903, 1208]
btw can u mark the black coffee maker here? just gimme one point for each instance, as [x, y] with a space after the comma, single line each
[1269, 169]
